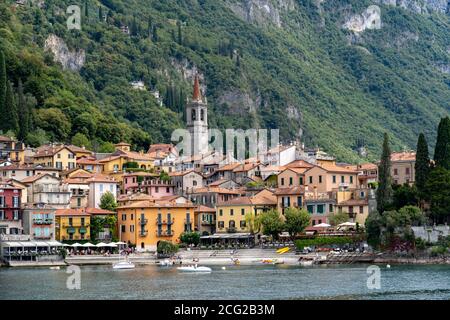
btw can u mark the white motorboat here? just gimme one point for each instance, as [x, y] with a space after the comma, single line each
[194, 269]
[166, 263]
[124, 265]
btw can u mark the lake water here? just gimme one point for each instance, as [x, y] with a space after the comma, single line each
[236, 282]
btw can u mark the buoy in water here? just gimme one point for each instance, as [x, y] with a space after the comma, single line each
[388, 266]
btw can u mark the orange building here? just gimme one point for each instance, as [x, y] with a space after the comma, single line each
[145, 223]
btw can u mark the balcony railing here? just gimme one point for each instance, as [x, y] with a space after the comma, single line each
[43, 221]
[164, 233]
[208, 223]
[43, 237]
[143, 221]
[232, 230]
[143, 233]
[165, 221]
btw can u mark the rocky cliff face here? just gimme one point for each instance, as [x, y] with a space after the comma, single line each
[72, 60]
[262, 12]
[420, 6]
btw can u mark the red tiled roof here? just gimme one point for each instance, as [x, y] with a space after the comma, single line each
[204, 209]
[71, 212]
[97, 211]
[290, 190]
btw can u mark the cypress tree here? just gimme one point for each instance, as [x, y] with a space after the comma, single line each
[3, 85]
[180, 34]
[11, 116]
[384, 191]
[422, 166]
[442, 151]
[24, 120]
[155, 37]
[100, 13]
[86, 9]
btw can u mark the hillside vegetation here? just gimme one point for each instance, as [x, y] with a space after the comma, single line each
[287, 64]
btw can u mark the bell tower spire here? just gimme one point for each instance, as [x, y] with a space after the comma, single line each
[197, 120]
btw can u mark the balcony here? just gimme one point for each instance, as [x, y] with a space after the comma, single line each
[71, 230]
[208, 223]
[143, 221]
[164, 233]
[75, 225]
[165, 221]
[82, 230]
[43, 221]
[143, 233]
[232, 230]
[43, 237]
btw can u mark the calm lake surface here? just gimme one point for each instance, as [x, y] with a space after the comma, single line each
[236, 282]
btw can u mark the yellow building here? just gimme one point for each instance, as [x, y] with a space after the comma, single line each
[231, 215]
[55, 156]
[12, 150]
[355, 203]
[72, 225]
[146, 223]
[115, 163]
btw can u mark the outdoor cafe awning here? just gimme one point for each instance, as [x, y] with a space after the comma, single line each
[228, 236]
[31, 244]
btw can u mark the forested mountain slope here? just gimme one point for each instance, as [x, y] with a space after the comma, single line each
[319, 70]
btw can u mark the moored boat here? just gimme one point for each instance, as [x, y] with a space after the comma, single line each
[124, 265]
[194, 268]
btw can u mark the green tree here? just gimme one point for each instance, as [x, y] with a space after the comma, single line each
[99, 224]
[166, 248]
[384, 191]
[271, 222]
[190, 238]
[442, 151]
[180, 34]
[405, 195]
[338, 218]
[3, 88]
[422, 166]
[438, 190]
[37, 138]
[373, 227]
[86, 9]
[108, 202]
[107, 147]
[11, 116]
[80, 140]
[164, 176]
[24, 113]
[54, 121]
[296, 221]
[252, 223]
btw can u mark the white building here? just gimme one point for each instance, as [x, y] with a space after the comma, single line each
[98, 186]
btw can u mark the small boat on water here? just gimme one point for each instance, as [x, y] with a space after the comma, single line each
[194, 268]
[124, 265]
[55, 268]
[166, 263]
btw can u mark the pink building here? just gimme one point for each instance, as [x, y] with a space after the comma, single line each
[158, 188]
[147, 183]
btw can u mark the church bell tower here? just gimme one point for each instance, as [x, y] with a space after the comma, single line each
[197, 121]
